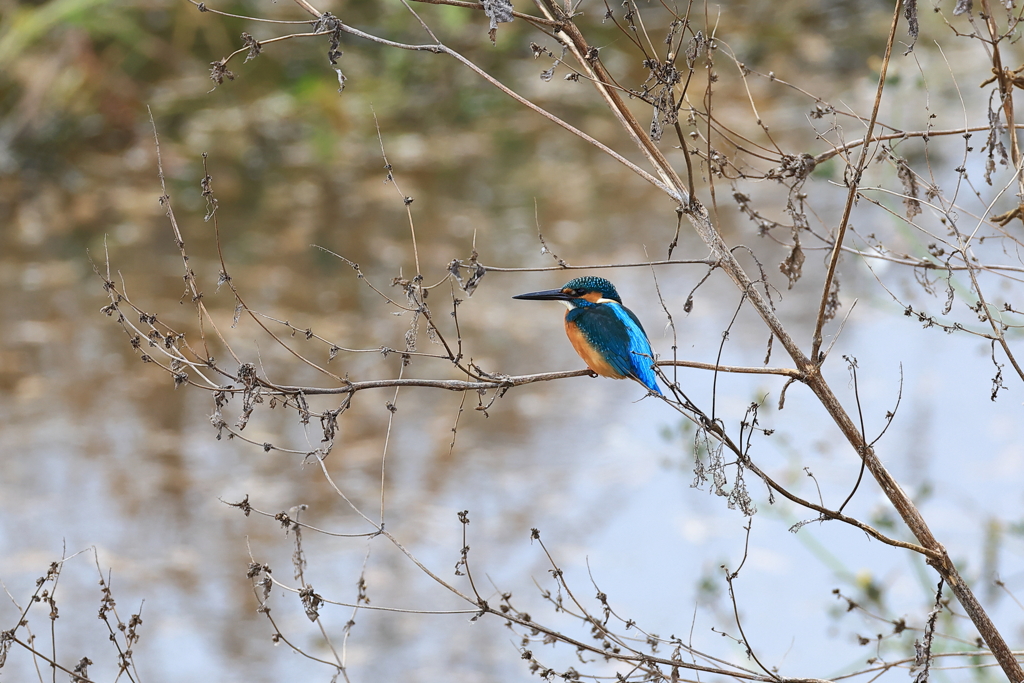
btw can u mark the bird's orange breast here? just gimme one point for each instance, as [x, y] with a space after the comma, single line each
[591, 356]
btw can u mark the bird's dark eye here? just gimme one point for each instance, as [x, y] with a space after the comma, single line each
[579, 292]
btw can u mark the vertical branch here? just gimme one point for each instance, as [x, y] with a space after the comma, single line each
[392, 409]
[1004, 80]
[729, 578]
[924, 648]
[853, 180]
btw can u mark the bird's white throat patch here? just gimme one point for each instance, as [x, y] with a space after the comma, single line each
[569, 304]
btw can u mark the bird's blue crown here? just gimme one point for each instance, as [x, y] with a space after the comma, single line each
[592, 283]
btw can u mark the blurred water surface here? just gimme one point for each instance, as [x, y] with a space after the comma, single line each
[99, 450]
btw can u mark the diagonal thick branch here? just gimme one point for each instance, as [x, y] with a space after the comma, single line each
[808, 369]
[700, 220]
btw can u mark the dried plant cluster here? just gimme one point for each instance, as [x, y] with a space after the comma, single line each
[47, 654]
[958, 234]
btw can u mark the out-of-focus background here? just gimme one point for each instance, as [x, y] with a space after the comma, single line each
[100, 451]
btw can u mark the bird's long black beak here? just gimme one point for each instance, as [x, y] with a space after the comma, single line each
[546, 295]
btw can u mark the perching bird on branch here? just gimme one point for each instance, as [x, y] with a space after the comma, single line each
[606, 334]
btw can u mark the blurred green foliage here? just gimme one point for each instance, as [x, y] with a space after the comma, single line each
[294, 159]
[75, 75]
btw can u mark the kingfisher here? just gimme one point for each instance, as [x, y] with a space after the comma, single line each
[606, 335]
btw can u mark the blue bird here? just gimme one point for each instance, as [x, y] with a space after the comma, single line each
[605, 334]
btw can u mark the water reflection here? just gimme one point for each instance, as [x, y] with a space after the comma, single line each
[100, 450]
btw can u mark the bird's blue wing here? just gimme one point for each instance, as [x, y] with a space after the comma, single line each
[616, 333]
[641, 355]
